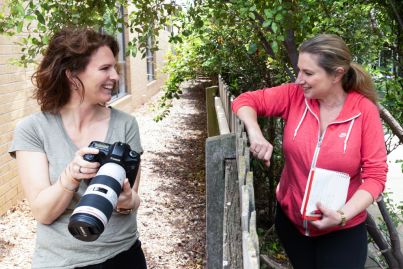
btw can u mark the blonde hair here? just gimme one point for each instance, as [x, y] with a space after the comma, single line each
[333, 53]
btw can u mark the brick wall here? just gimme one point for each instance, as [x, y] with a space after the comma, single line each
[15, 103]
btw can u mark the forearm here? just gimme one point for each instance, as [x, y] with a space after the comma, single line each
[360, 201]
[136, 200]
[249, 117]
[52, 201]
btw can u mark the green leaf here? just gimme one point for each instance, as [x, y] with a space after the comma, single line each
[268, 13]
[20, 10]
[266, 24]
[40, 17]
[274, 27]
[252, 48]
[274, 46]
[278, 17]
[20, 24]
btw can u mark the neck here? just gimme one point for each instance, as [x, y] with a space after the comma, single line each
[80, 114]
[334, 100]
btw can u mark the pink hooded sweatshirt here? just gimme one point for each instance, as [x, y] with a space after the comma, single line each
[353, 144]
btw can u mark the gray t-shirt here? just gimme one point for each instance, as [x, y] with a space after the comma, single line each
[55, 246]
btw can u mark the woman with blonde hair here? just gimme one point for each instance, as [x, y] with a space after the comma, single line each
[332, 128]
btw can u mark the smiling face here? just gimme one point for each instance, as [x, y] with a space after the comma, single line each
[100, 76]
[316, 82]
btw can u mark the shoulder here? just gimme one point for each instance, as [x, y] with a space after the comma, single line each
[364, 104]
[290, 90]
[35, 120]
[123, 118]
[121, 115]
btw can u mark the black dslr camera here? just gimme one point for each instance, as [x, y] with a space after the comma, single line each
[95, 208]
[119, 153]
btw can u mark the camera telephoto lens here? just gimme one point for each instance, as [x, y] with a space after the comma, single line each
[95, 208]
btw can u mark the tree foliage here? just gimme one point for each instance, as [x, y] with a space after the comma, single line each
[41, 19]
[251, 44]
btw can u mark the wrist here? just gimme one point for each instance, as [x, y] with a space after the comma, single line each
[343, 218]
[129, 204]
[124, 211]
[72, 180]
[67, 187]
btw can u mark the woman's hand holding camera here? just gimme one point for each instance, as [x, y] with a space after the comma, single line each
[128, 198]
[81, 169]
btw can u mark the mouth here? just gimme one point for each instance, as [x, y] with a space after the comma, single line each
[108, 87]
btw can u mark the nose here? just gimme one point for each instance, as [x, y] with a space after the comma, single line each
[114, 74]
[300, 79]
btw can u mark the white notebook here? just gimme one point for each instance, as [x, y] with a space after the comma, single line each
[325, 186]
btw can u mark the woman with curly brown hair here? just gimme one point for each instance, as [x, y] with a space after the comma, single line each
[74, 82]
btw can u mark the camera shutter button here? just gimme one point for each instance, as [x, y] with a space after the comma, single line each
[89, 157]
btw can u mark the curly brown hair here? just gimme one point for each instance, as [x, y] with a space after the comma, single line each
[69, 50]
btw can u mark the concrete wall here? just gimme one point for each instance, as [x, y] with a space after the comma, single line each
[16, 102]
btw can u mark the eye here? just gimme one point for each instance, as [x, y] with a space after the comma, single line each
[105, 67]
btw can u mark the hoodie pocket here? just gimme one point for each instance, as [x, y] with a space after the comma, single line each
[290, 203]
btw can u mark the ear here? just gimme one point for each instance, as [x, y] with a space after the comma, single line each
[72, 79]
[69, 75]
[338, 74]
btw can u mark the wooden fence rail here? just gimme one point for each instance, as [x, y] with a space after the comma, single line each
[232, 240]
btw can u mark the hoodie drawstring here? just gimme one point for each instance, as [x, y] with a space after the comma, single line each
[300, 122]
[348, 134]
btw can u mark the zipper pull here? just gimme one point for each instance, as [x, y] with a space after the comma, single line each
[320, 141]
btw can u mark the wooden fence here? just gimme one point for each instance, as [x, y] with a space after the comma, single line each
[232, 240]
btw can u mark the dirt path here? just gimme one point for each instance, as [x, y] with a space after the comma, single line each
[171, 218]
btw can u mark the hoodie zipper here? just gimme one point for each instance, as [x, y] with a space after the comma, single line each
[317, 149]
[313, 165]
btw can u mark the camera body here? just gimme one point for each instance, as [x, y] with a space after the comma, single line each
[119, 153]
[95, 207]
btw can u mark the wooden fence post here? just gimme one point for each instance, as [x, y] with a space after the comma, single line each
[218, 149]
[212, 122]
[232, 248]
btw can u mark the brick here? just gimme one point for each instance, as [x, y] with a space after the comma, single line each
[15, 86]
[10, 68]
[12, 77]
[6, 206]
[9, 126]
[9, 176]
[12, 193]
[6, 59]
[6, 137]
[5, 157]
[12, 116]
[5, 187]
[7, 167]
